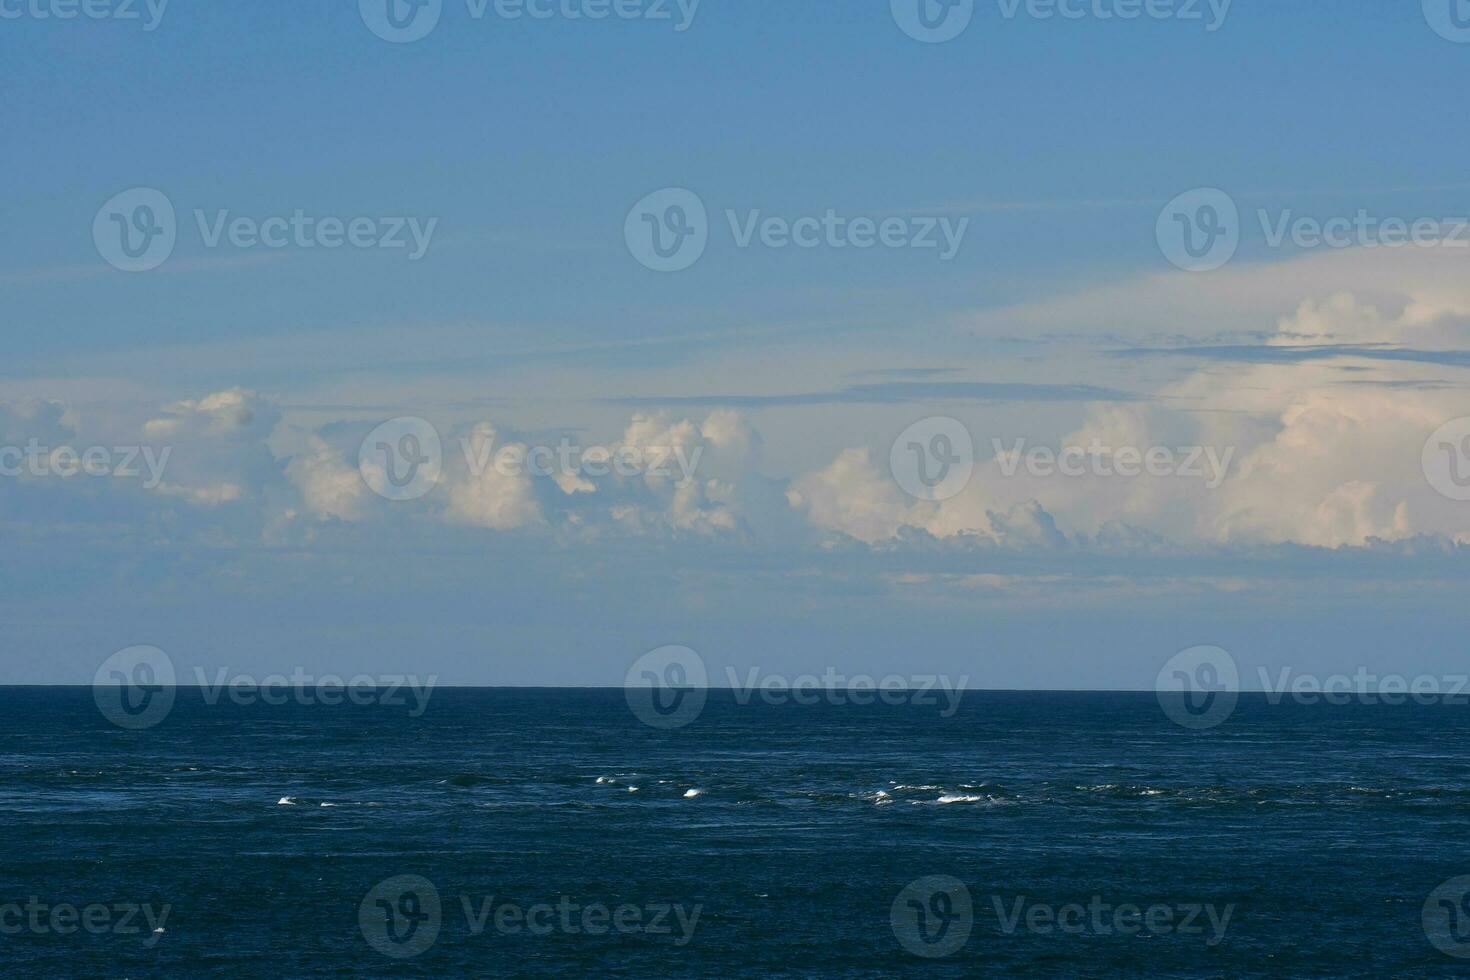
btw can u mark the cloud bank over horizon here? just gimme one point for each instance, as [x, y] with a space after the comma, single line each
[1319, 451]
[1250, 479]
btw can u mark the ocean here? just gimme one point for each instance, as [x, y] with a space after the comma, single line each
[508, 832]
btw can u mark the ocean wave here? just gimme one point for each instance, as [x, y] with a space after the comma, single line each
[797, 792]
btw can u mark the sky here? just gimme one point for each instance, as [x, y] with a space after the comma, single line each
[881, 327]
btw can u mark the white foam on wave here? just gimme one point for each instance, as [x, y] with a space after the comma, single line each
[689, 794]
[959, 798]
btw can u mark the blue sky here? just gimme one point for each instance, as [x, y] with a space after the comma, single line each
[1059, 320]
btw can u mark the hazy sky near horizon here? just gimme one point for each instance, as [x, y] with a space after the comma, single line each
[1232, 239]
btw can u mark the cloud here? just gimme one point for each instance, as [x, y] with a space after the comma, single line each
[665, 474]
[710, 483]
[1311, 453]
[45, 421]
[907, 374]
[900, 392]
[1317, 463]
[487, 495]
[1278, 354]
[1305, 459]
[1420, 286]
[217, 447]
[330, 488]
[853, 496]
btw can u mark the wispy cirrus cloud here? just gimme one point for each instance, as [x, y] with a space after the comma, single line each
[898, 393]
[1281, 354]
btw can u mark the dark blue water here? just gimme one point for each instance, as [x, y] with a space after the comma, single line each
[1321, 829]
